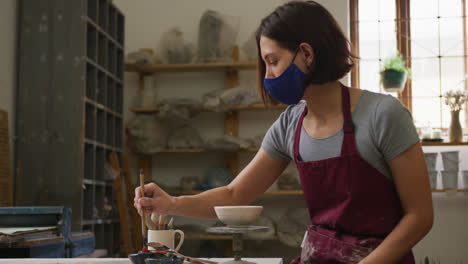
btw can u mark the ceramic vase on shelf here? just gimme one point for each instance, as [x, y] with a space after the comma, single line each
[455, 131]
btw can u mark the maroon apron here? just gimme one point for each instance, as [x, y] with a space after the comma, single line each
[352, 206]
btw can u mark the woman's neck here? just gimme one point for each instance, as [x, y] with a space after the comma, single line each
[323, 101]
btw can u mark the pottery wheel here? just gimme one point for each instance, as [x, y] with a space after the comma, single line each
[234, 229]
[236, 239]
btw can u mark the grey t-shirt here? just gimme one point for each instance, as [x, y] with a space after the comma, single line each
[383, 129]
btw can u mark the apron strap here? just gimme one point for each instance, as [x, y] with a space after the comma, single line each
[348, 145]
[349, 141]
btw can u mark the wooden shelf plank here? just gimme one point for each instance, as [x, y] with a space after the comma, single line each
[275, 192]
[196, 151]
[151, 110]
[215, 237]
[188, 151]
[190, 67]
[443, 190]
[207, 237]
[254, 150]
[444, 144]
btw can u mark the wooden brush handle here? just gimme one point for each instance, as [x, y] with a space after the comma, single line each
[143, 218]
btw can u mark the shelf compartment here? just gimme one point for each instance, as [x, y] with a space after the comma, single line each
[99, 201]
[118, 133]
[120, 64]
[102, 88]
[91, 42]
[88, 202]
[120, 28]
[110, 129]
[91, 80]
[111, 57]
[109, 233]
[90, 123]
[112, 21]
[102, 51]
[100, 236]
[111, 94]
[100, 162]
[119, 98]
[92, 10]
[103, 11]
[101, 126]
[89, 159]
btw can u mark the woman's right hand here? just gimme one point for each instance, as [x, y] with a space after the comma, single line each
[155, 201]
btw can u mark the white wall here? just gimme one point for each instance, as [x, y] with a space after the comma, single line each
[146, 20]
[7, 63]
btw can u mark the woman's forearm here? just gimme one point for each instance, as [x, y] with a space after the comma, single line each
[411, 229]
[201, 205]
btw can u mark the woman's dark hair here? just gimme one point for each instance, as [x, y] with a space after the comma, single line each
[297, 22]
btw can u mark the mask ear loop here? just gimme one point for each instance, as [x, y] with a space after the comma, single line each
[295, 54]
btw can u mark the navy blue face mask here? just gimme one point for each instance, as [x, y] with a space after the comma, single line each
[287, 88]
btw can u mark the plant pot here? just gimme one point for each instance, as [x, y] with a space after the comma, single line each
[393, 81]
[431, 159]
[450, 160]
[433, 179]
[450, 181]
[465, 182]
[455, 130]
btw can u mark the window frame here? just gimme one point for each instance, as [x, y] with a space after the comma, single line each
[403, 27]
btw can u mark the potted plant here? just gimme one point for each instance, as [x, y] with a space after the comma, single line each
[394, 74]
[455, 100]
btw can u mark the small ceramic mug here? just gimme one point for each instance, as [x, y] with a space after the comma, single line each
[165, 237]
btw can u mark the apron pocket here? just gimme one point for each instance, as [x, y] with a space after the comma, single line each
[325, 246]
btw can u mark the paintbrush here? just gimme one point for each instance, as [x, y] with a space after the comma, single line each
[162, 222]
[143, 218]
[171, 223]
[149, 224]
[155, 220]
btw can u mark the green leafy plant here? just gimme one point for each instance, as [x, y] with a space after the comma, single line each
[396, 63]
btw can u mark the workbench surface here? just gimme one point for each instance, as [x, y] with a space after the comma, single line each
[121, 261]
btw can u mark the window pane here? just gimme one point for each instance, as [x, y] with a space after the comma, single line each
[452, 74]
[386, 10]
[387, 39]
[424, 38]
[423, 8]
[368, 10]
[426, 111]
[369, 75]
[425, 77]
[368, 42]
[450, 8]
[451, 36]
[447, 116]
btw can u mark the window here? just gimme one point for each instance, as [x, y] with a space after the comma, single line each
[430, 34]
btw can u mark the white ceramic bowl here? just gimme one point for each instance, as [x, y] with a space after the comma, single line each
[238, 215]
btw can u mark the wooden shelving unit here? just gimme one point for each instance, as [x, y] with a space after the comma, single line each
[231, 124]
